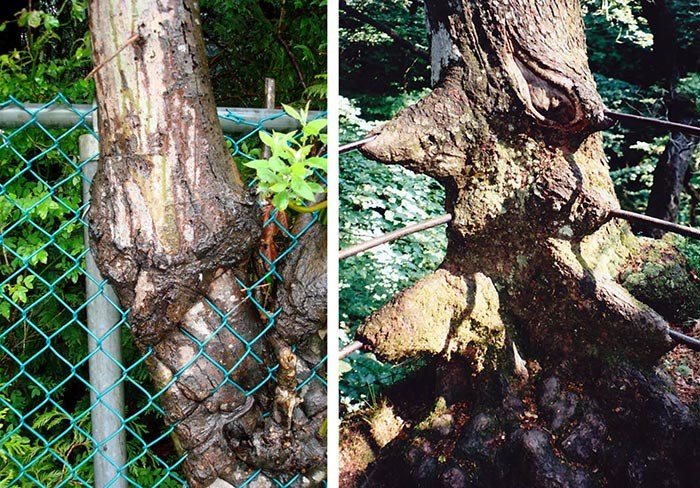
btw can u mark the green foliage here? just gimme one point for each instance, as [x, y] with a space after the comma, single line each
[318, 90]
[633, 183]
[22, 456]
[688, 87]
[54, 57]
[687, 19]
[384, 107]
[375, 199]
[618, 39]
[623, 18]
[691, 250]
[370, 61]
[284, 40]
[275, 38]
[363, 377]
[287, 175]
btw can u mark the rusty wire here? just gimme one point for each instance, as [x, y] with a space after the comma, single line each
[392, 236]
[349, 349]
[665, 124]
[355, 145]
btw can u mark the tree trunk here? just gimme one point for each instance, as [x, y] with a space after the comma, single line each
[173, 228]
[543, 370]
[672, 168]
[670, 177]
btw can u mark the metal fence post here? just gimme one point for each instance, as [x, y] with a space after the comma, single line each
[104, 346]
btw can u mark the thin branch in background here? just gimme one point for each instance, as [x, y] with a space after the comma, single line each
[288, 49]
[292, 59]
[385, 29]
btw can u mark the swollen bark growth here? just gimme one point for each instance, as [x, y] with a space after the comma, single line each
[544, 359]
[173, 228]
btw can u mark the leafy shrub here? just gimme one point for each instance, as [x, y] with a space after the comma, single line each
[375, 199]
[287, 176]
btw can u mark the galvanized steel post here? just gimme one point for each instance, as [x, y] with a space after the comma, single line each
[104, 348]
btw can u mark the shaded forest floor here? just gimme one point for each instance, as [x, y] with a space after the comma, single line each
[683, 365]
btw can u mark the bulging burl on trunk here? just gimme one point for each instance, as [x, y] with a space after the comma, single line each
[539, 287]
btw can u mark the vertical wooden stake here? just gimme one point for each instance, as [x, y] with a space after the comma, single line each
[269, 103]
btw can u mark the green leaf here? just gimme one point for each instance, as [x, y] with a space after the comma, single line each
[22, 17]
[257, 164]
[19, 295]
[315, 187]
[314, 127]
[5, 310]
[265, 175]
[29, 282]
[301, 188]
[298, 169]
[34, 18]
[276, 164]
[281, 200]
[78, 10]
[319, 163]
[266, 138]
[293, 113]
[50, 22]
[279, 187]
[304, 151]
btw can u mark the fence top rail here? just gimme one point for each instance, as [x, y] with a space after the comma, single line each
[59, 115]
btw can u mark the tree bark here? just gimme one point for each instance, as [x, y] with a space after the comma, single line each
[543, 370]
[173, 228]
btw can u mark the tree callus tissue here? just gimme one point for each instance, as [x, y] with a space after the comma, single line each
[173, 228]
[543, 329]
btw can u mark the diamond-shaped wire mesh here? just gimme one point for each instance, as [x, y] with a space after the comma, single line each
[46, 397]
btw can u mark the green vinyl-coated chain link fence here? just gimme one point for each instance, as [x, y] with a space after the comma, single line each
[48, 292]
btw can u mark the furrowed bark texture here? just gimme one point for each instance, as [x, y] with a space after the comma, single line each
[173, 228]
[543, 370]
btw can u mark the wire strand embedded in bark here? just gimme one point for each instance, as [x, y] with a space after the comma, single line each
[354, 145]
[665, 124]
[654, 222]
[349, 349]
[392, 236]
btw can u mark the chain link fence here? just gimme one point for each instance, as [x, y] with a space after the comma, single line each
[77, 407]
